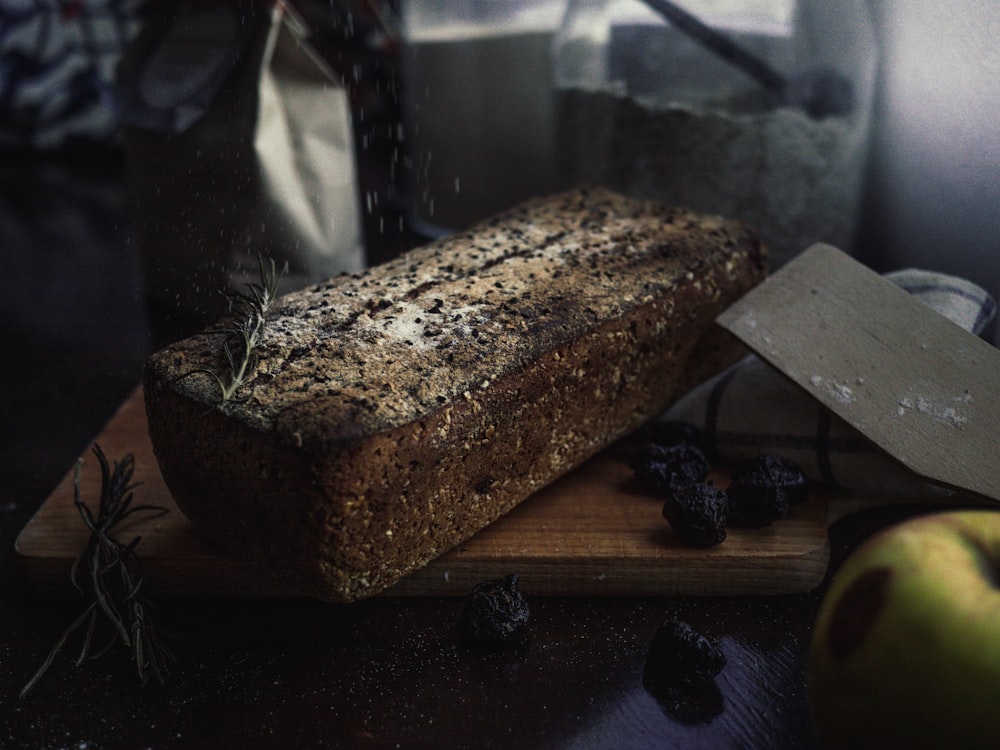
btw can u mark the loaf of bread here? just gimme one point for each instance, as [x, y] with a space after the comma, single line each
[396, 412]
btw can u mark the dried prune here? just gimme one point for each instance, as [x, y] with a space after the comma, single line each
[682, 658]
[754, 504]
[496, 613]
[781, 471]
[667, 468]
[763, 489]
[698, 514]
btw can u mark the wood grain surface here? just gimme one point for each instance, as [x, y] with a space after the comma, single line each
[593, 532]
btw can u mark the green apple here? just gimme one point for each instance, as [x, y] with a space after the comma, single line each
[906, 648]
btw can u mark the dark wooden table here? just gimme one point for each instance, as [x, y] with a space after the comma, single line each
[74, 331]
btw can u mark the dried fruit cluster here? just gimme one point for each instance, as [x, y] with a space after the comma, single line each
[672, 464]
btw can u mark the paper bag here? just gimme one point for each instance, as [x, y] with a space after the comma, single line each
[240, 146]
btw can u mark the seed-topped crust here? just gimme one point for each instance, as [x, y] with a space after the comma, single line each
[407, 406]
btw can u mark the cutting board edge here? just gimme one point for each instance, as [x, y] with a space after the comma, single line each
[437, 578]
[450, 575]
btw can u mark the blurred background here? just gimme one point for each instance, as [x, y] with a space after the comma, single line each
[930, 184]
[934, 180]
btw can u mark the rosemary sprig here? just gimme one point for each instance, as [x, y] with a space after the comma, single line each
[243, 334]
[105, 571]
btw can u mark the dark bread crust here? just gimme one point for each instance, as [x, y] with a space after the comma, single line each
[398, 411]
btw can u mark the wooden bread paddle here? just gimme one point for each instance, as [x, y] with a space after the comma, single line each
[917, 385]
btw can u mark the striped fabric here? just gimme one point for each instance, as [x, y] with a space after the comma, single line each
[57, 65]
[751, 408]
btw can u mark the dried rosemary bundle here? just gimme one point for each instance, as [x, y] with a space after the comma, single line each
[106, 573]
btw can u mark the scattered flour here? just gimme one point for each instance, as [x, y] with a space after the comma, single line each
[840, 392]
[945, 412]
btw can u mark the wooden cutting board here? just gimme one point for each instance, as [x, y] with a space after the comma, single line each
[592, 532]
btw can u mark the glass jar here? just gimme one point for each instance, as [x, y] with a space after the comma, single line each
[753, 109]
[478, 112]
